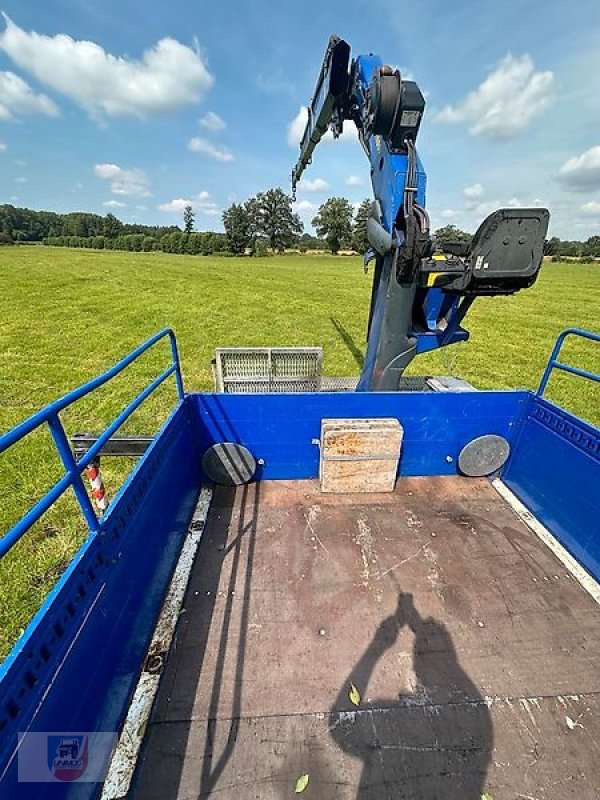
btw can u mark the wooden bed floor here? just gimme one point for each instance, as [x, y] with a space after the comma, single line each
[475, 654]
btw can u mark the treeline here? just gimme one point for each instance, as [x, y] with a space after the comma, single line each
[268, 217]
[274, 227]
[176, 241]
[560, 249]
[265, 223]
[26, 225]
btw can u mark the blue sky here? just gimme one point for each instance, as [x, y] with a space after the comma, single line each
[137, 107]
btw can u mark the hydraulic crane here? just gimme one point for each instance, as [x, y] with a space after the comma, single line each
[420, 292]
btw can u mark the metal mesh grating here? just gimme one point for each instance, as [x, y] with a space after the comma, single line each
[250, 370]
[255, 370]
[338, 384]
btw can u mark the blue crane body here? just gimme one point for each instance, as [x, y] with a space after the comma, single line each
[240, 630]
[419, 297]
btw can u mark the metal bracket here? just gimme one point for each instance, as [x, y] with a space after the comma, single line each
[134, 446]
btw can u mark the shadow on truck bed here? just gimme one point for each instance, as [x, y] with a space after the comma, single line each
[256, 689]
[411, 746]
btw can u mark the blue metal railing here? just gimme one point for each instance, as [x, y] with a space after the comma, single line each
[73, 468]
[554, 363]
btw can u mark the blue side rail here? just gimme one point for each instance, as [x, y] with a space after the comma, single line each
[73, 468]
[554, 363]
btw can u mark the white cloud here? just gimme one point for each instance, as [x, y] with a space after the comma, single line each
[591, 208]
[354, 180]
[21, 180]
[482, 210]
[213, 122]
[317, 185]
[114, 204]
[582, 173]
[18, 99]
[129, 182]
[473, 197]
[168, 76]
[506, 102]
[218, 152]
[296, 129]
[306, 207]
[3, 147]
[449, 213]
[201, 203]
[513, 202]
[474, 192]
[274, 82]
[306, 211]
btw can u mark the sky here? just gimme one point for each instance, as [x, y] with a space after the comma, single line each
[139, 108]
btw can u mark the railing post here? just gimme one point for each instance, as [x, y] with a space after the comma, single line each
[68, 459]
[551, 362]
[177, 365]
[554, 363]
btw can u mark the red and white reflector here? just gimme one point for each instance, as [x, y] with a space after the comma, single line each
[97, 485]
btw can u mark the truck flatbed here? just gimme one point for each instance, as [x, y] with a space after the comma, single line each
[474, 650]
[440, 641]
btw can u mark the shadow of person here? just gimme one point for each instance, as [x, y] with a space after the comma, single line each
[434, 743]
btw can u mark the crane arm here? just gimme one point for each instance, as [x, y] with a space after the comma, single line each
[419, 296]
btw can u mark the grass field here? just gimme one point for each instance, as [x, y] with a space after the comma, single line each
[65, 315]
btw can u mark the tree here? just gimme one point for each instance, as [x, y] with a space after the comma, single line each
[360, 243]
[238, 228]
[450, 233]
[591, 247]
[308, 242]
[188, 219]
[272, 215]
[112, 226]
[334, 223]
[552, 246]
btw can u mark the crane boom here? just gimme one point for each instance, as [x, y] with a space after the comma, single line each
[420, 293]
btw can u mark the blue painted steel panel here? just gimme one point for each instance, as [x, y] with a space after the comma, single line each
[555, 470]
[280, 428]
[106, 605]
[84, 649]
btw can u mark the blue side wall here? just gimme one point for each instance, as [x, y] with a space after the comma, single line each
[280, 428]
[87, 643]
[86, 646]
[555, 470]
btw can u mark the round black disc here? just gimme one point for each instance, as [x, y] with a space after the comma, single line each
[229, 464]
[483, 455]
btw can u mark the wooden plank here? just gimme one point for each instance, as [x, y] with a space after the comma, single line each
[359, 455]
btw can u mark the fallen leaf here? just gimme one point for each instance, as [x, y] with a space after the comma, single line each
[302, 783]
[486, 796]
[354, 695]
[570, 723]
